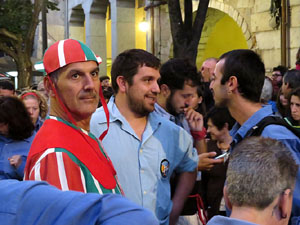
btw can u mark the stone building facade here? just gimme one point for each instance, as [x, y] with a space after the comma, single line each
[110, 26]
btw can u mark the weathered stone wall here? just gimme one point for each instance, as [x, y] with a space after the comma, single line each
[253, 17]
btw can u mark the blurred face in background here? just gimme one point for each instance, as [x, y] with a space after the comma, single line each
[4, 129]
[180, 99]
[32, 106]
[6, 92]
[215, 133]
[295, 108]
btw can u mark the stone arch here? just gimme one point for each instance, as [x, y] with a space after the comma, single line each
[231, 12]
[76, 22]
[237, 17]
[77, 16]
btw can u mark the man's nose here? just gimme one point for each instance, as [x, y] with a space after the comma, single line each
[155, 87]
[89, 82]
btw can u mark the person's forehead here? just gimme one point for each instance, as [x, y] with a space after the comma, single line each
[188, 87]
[80, 66]
[147, 71]
[6, 92]
[295, 98]
[220, 65]
[209, 63]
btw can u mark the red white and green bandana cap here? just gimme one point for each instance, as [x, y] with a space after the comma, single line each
[65, 52]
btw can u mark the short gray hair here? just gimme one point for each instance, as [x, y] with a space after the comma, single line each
[54, 76]
[259, 170]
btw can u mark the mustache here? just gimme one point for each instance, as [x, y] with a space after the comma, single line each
[88, 95]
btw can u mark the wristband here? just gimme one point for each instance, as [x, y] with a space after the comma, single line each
[199, 135]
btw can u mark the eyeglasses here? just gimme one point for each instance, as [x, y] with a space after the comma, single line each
[276, 75]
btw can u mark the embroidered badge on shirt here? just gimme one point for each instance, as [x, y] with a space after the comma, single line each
[164, 167]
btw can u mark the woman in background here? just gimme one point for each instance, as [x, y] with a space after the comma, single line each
[219, 122]
[294, 106]
[16, 136]
[36, 106]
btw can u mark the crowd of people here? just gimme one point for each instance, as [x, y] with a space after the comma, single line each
[154, 144]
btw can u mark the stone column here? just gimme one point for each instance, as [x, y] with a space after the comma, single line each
[122, 26]
[95, 31]
[97, 38]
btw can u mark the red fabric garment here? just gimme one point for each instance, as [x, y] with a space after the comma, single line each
[297, 66]
[56, 134]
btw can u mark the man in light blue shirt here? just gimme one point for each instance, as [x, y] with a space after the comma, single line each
[237, 84]
[144, 147]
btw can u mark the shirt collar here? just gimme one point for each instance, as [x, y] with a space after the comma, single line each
[71, 125]
[252, 121]
[162, 112]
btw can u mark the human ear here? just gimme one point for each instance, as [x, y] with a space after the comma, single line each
[285, 203]
[121, 82]
[48, 86]
[232, 84]
[200, 99]
[226, 199]
[165, 90]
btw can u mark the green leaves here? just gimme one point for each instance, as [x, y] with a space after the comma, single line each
[16, 15]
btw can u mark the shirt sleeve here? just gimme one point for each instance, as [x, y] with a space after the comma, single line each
[59, 170]
[190, 160]
[49, 206]
[20, 169]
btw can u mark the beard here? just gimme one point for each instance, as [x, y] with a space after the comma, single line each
[137, 105]
[221, 102]
[169, 105]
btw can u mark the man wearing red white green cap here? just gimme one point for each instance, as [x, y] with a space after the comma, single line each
[64, 152]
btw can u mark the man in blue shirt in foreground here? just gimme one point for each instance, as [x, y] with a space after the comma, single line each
[38, 203]
[260, 182]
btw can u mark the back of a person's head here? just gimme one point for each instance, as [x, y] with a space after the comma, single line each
[267, 91]
[259, 170]
[175, 72]
[292, 78]
[281, 69]
[14, 114]
[7, 85]
[219, 116]
[249, 70]
[127, 64]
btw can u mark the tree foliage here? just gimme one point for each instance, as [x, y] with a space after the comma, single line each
[18, 22]
[186, 33]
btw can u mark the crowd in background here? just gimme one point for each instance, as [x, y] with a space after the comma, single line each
[186, 98]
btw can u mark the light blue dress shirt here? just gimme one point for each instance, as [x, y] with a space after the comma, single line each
[144, 166]
[8, 148]
[277, 132]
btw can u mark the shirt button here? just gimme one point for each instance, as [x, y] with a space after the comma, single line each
[142, 171]
[141, 150]
[145, 192]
